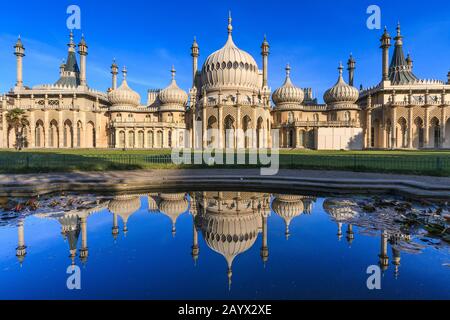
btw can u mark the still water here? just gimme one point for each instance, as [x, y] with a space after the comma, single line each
[223, 245]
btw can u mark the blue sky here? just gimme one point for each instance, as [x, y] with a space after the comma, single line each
[149, 36]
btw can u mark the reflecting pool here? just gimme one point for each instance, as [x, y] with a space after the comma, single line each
[223, 245]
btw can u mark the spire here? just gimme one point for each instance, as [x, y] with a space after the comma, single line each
[398, 39]
[230, 27]
[399, 71]
[71, 76]
[71, 44]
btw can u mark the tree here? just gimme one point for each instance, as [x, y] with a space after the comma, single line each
[17, 119]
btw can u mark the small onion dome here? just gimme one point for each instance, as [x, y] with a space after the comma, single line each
[341, 92]
[173, 205]
[173, 95]
[124, 96]
[125, 206]
[288, 207]
[341, 210]
[288, 93]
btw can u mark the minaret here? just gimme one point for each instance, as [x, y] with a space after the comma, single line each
[265, 55]
[351, 69]
[115, 228]
[339, 234]
[396, 261]
[83, 52]
[21, 249]
[350, 234]
[384, 258]
[84, 252]
[195, 248]
[194, 54]
[19, 52]
[114, 72]
[61, 68]
[385, 44]
[264, 248]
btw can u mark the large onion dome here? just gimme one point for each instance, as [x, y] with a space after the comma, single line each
[124, 96]
[288, 207]
[230, 68]
[341, 93]
[229, 234]
[288, 93]
[173, 97]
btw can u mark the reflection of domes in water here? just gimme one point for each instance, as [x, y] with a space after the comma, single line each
[230, 234]
[173, 205]
[340, 210]
[153, 202]
[288, 207]
[230, 221]
[125, 206]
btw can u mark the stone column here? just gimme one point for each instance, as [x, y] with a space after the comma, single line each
[204, 123]
[443, 118]
[239, 128]
[221, 133]
[46, 131]
[297, 131]
[255, 131]
[426, 134]
[369, 128]
[410, 127]
[393, 128]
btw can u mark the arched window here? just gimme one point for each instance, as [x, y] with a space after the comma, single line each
[131, 139]
[141, 139]
[169, 138]
[150, 139]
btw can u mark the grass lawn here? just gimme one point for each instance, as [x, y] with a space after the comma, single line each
[401, 161]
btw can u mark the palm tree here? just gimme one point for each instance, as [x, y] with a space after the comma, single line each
[17, 119]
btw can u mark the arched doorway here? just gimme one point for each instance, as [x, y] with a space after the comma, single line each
[131, 139]
[418, 135]
[121, 139]
[212, 132]
[260, 133]
[141, 139]
[39, 134]
[402, 136]
[290, 138]
[68, 134]
[229, 132]
[150, 139]
[90, 135]
[435, 133]
[53, 134]
[79, 133]
[248, 132]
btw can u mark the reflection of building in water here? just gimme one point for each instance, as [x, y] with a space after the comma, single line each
[124, 206]
[153, 202]
[342, 211]
[230, 222]
[289, 207]
[73, 223]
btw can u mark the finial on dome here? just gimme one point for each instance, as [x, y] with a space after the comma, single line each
[124, 73]
[288, 70]
[230, 27]
[173, 71]
[398, 29]
[340, 68]
[229, 275]
[71, 42]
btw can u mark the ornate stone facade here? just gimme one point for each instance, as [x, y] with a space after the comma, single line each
[230, 94]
